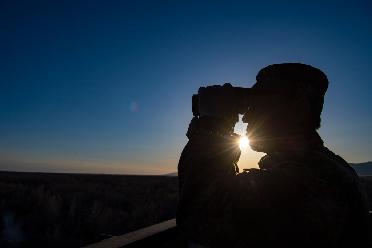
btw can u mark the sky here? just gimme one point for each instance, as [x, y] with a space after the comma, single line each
[106, 86]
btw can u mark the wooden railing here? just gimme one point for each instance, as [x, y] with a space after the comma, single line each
[163, 234]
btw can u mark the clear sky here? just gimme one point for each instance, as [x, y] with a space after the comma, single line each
[106, 86]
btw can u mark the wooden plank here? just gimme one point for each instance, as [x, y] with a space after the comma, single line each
[126, 239]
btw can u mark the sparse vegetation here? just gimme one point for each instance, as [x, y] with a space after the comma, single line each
[71, 210]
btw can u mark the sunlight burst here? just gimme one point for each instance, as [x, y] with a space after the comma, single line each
[243, 142]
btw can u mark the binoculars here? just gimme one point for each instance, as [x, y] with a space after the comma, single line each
[243, 99]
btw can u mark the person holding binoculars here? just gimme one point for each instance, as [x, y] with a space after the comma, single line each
[302, 195]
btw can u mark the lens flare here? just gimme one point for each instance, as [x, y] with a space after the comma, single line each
[243, 142]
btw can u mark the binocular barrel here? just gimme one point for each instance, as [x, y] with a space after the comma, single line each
[242, 100]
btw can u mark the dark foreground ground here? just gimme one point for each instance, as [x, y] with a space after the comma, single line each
[70, 210]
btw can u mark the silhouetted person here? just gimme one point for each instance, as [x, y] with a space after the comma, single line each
[303, 195]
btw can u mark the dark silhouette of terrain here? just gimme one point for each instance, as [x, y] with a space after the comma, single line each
[71, 210]
[363, 169]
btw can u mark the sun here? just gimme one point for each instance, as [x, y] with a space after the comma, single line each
[243, 142]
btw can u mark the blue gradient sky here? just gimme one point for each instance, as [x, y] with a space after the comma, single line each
[105, 86]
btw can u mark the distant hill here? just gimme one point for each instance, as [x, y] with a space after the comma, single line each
[363, 169]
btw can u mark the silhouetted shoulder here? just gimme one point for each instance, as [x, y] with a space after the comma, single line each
[302, 197]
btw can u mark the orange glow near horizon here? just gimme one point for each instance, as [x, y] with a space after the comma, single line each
[248, 157]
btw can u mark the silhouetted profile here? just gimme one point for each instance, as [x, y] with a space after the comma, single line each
[303, 195]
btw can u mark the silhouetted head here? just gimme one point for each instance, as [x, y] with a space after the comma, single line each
[292, 110]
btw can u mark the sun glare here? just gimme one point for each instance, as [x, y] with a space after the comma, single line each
[243, 142]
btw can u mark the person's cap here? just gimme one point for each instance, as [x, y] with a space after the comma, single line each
[293, 77]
